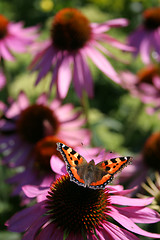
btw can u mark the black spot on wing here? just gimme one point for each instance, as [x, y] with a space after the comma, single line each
[65, 147]
[125, 158]
[76, 162]
[73, 152]
[113, 160]
[108, 168]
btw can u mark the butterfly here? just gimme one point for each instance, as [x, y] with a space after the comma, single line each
[88, 174]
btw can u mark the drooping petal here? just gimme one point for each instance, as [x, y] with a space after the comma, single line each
[102, 63]
[140, 214]
[121, 200]
[88, 81]
[78, 78]
[23, 219]
[64, 77]
[127, 223]
[57, 165]
[4, 52]
[116, 232]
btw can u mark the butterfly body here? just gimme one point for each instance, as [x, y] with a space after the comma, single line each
[95, 176]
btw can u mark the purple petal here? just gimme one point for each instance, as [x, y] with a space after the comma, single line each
[135, 39]
[34, 228]
[23, 219]
[50, 232]
[45, 63]
[155, 40]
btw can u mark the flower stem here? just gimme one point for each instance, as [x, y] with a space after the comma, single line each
[5, 90]
[85, 107]
[132, 122]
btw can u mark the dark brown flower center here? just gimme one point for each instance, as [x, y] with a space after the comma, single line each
[70, 30]
[36, 122]
[146, 75]
[3, 26]
[44, 149]
[76, 209]
[152, 18]
[151, 151]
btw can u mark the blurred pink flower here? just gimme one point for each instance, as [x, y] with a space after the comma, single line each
[14, 38]
[146, 37]
[2, 79]
[28, 136]
[144, 164]
[144, 85]
[69, 211]
[73, 40]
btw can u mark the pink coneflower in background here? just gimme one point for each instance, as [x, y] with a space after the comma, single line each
[73, 40]
[14, 38]
[144, 85]
[144, 164]
[146, 37]
[2, 79]
[29, 132]
[73, 212]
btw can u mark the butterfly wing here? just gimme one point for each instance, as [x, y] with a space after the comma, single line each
[73, 160]
[108, 169]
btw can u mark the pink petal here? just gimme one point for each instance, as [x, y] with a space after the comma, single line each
[145, 49]
[156, 81]
[23, 101]
[4, 52]
[121, 200]
[57, 165]
[33, 191]
[88, 81]
[124, 192]
[117, 233]
[119, 22]
[78, 78]
[64, 77]
[14, 44]
[42, 99]
[130, 225]
[102, 63]
[140, 214]
[2, 80]
[113, 42]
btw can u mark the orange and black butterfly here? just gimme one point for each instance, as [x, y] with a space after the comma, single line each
[95, 176]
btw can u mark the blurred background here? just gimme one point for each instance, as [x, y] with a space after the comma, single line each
[118, 121]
